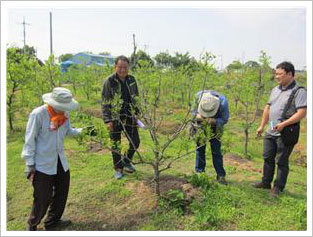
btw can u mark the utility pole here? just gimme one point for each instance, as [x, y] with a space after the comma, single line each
[24, 31]
[135, 48]
[50, 33]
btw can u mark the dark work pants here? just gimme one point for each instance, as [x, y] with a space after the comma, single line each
[216, 156]
[131, 132]
[275, 148]
[49, 191]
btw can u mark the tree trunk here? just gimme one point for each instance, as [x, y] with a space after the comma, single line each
[236, 106]
[246, 133]
[10, 106]
[183, 98]
[11, 122]
[246, 142]
[52, 84]
[157, 180]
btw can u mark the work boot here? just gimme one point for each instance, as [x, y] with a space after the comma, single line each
[221, 180]
[199, 171]
[58, 224]
[118, 174]
[261, 185]
[31, 228]
[274, 192]
[128, 167]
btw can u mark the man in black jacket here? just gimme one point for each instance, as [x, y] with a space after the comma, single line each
[119, 106]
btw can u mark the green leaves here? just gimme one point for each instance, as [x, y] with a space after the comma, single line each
[173, 199]
[21, 73]
[94, 129]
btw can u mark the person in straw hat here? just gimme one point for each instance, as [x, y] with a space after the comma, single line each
[210, 110]
[43, 153]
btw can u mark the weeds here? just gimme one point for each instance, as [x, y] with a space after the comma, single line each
[173, 200]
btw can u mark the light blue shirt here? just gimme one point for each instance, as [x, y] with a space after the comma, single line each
[43, 145]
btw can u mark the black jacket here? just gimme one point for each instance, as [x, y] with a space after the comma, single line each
[111, 90]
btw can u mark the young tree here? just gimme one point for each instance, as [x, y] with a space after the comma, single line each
[72, 74]
[249, 88]
[155, 114]
[140, 58]
[65, 57]
[38, 86]
[167, 143]
[52, 72]
[20, 72]
[234, 75]
[163, 60]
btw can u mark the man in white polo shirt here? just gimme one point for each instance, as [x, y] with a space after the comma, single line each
[274, 147]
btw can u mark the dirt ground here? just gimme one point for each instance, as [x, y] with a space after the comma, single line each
[136, 209]
[231, 159]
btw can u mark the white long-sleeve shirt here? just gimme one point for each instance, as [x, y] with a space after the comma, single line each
[43, 145]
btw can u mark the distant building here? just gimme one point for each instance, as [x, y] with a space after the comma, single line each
[87, 60]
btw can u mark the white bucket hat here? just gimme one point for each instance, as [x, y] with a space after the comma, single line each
[208, 105]
[61, 99]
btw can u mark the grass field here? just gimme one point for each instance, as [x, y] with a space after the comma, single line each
[189, 202]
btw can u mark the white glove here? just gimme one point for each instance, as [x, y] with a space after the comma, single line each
[79, 130]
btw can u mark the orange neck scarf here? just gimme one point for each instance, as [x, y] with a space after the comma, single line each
[56, 119]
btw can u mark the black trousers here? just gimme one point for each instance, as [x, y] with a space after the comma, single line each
[131, 131]
[276, 151]
[50, 191]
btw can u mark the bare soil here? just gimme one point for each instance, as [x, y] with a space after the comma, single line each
[232, 159]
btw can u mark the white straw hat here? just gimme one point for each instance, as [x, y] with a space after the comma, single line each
[208, 105]
[61, 99]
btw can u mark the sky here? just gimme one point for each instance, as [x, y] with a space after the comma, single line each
[229, 33]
